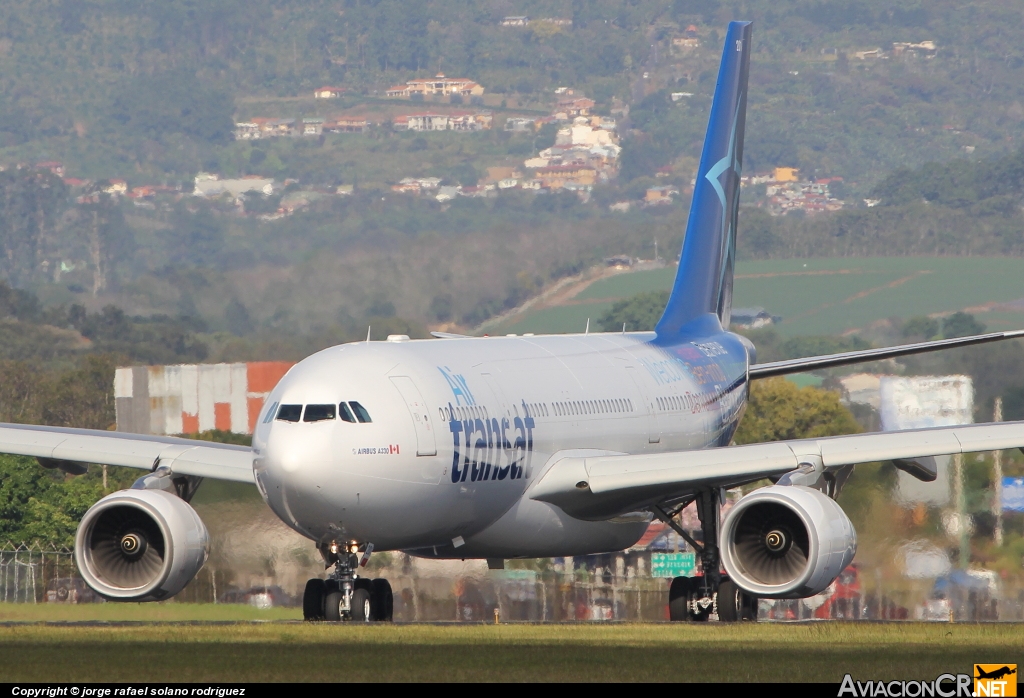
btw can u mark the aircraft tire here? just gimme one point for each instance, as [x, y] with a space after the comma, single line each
[313, 600]
[362, 606]
[332, 606]
[734, 604]
[749, 611]
[383, 600]
[729, 601]
[678, 598]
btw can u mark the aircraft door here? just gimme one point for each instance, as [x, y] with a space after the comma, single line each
[647, 407]
[426, 445]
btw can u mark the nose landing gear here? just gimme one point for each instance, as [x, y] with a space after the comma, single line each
[344, 595]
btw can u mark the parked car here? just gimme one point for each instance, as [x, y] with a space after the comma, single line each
[70, 590]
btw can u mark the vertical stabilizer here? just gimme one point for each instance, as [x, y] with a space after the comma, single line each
[703, 282]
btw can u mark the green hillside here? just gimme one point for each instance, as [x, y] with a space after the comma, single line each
[147, 90]
[825, 296]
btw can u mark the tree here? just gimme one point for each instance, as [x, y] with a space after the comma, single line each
[237, 318]
[196, 237]
[780, 410]
[639, 313]
[107, 237]
[961, 324]
[153, 106]
[921, 327]
[441, 307]
[30, 203]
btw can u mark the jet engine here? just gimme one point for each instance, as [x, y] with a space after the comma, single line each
[786, 542]
[140, 545]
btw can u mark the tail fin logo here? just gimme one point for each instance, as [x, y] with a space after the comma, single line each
[704, 279]
[729, 162]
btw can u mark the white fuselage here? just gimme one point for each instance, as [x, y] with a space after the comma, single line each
[461, 428]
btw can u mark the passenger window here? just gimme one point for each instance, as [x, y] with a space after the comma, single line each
[289, 413]
[318, 413]
[361, 414]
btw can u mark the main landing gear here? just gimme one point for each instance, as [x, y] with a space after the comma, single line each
[696, 598]
[344, 595]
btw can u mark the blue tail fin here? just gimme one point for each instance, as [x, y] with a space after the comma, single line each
[703, 284]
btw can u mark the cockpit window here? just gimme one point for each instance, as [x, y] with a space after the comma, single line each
[361, 414]
[289, 413]
[318, 413]
[345, 413]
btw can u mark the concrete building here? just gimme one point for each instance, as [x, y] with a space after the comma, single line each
[190, 398]
[207, 185]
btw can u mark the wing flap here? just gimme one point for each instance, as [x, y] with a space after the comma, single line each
[867, 448]
[185, 456]
[601, 487]
[609, 473]
[215, 463]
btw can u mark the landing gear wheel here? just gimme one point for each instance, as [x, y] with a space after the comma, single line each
[729, 601]
[362, 606]
[701, 614]
[383, 600]
[750, 604]
[682, 599]
[679, 599]
[734, 604]
[313, 600]
[332, 606]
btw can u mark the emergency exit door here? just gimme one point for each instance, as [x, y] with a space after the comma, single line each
[425, 442]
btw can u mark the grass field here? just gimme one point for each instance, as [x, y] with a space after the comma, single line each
[824, 296]
[140, 612]
[298, 652]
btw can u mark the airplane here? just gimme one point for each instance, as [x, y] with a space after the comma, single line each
[995, 673]
[523, 446]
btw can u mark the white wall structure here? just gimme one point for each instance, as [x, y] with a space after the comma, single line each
[920, 402]
[191, 398]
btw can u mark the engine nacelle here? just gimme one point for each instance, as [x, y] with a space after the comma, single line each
[140, 545]
[786, 542]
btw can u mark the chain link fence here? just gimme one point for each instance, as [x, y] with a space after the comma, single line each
[35, 573]
[601, 588]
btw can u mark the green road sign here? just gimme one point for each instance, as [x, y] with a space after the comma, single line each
[673, 564]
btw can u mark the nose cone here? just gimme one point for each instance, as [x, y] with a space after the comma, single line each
[291, 474]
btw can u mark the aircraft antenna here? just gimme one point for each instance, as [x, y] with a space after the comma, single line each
[368, 333]
[587, 331]
[623, 328]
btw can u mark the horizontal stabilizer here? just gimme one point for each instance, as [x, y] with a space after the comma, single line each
[811, 363]
[448, 335]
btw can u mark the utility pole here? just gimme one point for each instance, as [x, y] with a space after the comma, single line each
[997, 478]
[961, 507]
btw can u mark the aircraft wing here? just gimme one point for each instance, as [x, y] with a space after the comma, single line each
[781, 368]
[58, 447]
[601, 487]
